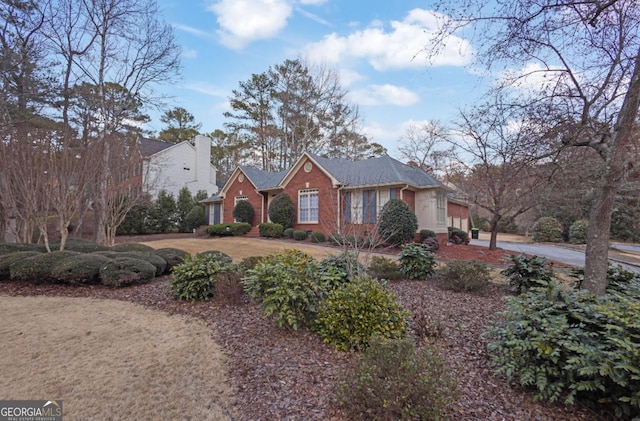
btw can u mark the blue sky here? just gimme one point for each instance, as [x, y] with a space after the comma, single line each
[374, 45]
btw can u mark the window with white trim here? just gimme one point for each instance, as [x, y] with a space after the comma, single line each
[383, 197]
[308, 206]
[441, 208]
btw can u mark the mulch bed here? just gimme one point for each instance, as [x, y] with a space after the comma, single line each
[279, 374]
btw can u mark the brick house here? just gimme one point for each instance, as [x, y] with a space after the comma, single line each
[336, 195]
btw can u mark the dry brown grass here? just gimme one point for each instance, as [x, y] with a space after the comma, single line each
[110, 359]
[240, 247]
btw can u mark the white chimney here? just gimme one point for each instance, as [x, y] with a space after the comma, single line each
[203, 162]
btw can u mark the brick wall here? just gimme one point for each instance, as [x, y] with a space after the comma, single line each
[242, 188]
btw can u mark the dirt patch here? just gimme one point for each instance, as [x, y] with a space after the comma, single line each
[110, 359]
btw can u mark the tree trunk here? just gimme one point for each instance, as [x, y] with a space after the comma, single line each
[596, 254]
[493, 241]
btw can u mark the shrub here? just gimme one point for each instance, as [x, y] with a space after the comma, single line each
[6, 248]
[572, 346]
[137, 220]
[243, 212]
[172, 256]
[578, 232]
[287, 287]
[424, 234]
[123, 271]
[318, 237]
[528, 272]
[299, 235]
[163, 214]
[224, 258]
[195, 218]
[288, 233]
[249, 263]
[547, 229]
[38, 268]
[184, 205]
[269, 229]
[339, 268]
[460, 275]
[153, 258]
[398, 223]
[79, 245]
[131, 247]
[416, 262]
[384, 268]
[431, 244]
[7, 259]
[393, 380]
[80, 269]
[458, 236]
[358, 310]
[282, 211]
[196, 277]
[237, 228]
[618, 278]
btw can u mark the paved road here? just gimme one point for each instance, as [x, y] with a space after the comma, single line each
[559, 254]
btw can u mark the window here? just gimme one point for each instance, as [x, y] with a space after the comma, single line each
[365, 206]
[308, 206]
[441, 208]
[369, 207]
[383, 197]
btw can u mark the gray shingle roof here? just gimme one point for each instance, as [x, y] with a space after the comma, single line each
[149, 147]
[375, 171]
[263, 179]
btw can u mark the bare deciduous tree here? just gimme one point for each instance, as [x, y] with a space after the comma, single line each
[579, 69]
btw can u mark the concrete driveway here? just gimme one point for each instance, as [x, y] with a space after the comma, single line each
[561, 254]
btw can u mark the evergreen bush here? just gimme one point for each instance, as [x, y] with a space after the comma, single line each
[467, 276]
[220, 256]
[547, 229]
[398, 223]
[7, 259]
[416, 262]
[356, 311]
[195, 218]
[287, 287]
[131, 247]
[197, 276]
[184, 204]
[578, 232]
[172, 256]
[288, 233]
[528, 272]
[243, 212]
[80, 269]
[163, 214]
[299, 235]
[270, 230]
[79, 245]
[318, 237]
[339, 268]
[384, 268]
[220, 230]
[282, 211]
[123, 271]
[458, 236]
[424, 234]
[38, 268]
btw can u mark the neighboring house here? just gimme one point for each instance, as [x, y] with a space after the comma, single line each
[335, 195]
[172, 166]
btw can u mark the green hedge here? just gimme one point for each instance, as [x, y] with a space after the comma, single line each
[7, 259]
[237, 228]
[269, 229]
[81, 269]
[131, 247]
[172, 256]
[123, 271]
[38, 268]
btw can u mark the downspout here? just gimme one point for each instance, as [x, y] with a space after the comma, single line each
[261, 205]
[403, 189]
[339, 213]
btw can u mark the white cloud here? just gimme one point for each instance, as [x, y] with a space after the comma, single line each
[313, 2]
[313, 17]
[396, 48]
[532, 78]
[244, 21]
[384, 95]
[207, 89]
[191, 30]
[349, 76]
[190, 53]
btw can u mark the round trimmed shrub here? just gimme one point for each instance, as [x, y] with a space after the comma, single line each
[458, 236]
[398, 223]
[424, 234]
[79, 245]
[153, 258]
[339, 268]
[6, 260]
[123, 271]
[358, 310]
[172, 256]
[462, 275]
[270, 230]
[384, 268]
[6, 248]
[288, 233]
[282, 211]
[196, 278]
[81, 269]
[318, 237]
[578, 232]
[299, 235]
[38, 268]
[547, 229]
[131, 247]
[243, 212]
